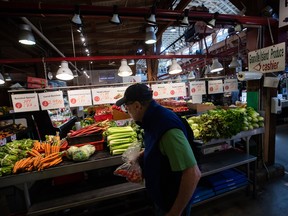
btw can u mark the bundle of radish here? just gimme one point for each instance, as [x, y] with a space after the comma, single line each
[120, 138]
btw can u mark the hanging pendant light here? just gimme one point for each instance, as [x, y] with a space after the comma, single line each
[2, 80]
[151, 20]
[26, 36]
[150, 37]
[131, 62]
[115, 18]
[216, 66]
[76, 19]
[175, 68]
[64, 73]
[124, 70]
[185, 20]
[234, 63]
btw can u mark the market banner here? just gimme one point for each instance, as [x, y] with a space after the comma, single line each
[215, 86]
[79, 98]
[197, 87]
[230, 85]
[51, 100]
[268, 59]
[25, 102]
[107, 95]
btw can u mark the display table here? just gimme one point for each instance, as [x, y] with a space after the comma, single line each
[213, 163]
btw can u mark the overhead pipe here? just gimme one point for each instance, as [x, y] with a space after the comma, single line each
[53, 10]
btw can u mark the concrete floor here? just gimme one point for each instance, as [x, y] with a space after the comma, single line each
[272, 197]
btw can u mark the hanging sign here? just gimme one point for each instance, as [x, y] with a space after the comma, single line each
[51, 100]
[107, 95]
[230, 85]
[215, 86]
[268, 59]
[283, 13]
[25, 102]
[161, 91]
[177, 90]
[197, 88]
[79, 98]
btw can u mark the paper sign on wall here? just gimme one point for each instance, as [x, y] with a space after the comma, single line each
[79, 98]
[107, 95]
[197, 88]
[51, 100]
[215, 86]
[25, 102]
[230, 85]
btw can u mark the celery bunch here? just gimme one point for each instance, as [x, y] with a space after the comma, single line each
[120, 138]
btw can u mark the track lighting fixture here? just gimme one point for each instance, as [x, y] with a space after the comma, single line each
[76, 17]
[26, 36]
[124, 70]
[185, 20]
[150, 37]
[151, 19]
[115, 18]
[211, 24]
[64, 73]
[175, 68]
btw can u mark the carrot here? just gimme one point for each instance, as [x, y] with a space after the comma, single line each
[32, 153]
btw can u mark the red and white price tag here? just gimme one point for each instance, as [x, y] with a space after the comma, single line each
[51, 100]
[177, 90]
[25, 102]
[3, 142]
[230, 85]
[107, 95]
[215, 86]
[79, 98]
[197, 88]
[161, 91]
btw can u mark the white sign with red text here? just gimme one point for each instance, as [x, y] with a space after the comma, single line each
[197, 88]
[268, 59]
[230, 85]
[51, 100]
[160, 91]
[79, 98]
[177, 90]
[25, 102]
[107, 95]
[215, 86]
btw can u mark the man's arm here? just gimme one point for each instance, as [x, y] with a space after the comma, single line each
[189, 180]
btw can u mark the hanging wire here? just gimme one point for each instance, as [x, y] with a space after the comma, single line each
[269, 26]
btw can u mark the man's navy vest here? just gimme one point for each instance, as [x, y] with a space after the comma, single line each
[161, 183]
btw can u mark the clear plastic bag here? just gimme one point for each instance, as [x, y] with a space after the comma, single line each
[130, 169]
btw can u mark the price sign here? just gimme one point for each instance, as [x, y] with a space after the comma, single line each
[177, 90]
[107, 95]
[197, 88]
[230, 85]
[13, 137]
[51, 100]
[79, 98]
[161, 91]
[3, 142]
[215, 86]
[25, 102]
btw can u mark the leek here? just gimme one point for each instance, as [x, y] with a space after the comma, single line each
[121, 141]
[112, 130]
[121, 135]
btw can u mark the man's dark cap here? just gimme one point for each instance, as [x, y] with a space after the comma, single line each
[136, 92]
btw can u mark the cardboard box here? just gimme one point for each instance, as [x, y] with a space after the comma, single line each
[200, 107]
